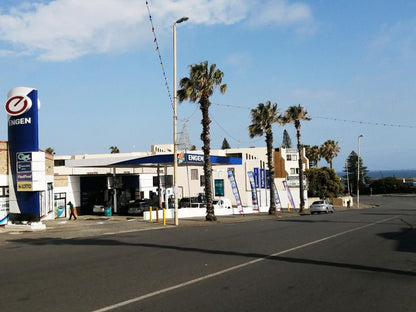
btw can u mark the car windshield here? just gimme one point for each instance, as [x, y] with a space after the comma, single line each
[320, 202]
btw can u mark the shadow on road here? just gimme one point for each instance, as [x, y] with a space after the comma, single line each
[406, 239]
[406, 244]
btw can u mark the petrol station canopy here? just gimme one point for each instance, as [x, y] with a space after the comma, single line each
[184, 159]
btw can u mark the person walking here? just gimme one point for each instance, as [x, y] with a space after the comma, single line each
[71, 208]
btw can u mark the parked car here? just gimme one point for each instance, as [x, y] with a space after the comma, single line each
[321, 206]
[98, 209]
[186, 202]
[137, 207]
[222, 203]
[198, 205]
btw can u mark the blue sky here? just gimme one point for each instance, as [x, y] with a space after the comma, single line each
[351, 64]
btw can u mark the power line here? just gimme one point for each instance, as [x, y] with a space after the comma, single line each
[383, 124]
[160, 56]
[366, 122]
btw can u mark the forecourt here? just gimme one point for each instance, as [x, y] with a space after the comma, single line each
[352, 260]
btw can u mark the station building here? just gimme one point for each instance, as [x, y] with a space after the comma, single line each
[113, 180]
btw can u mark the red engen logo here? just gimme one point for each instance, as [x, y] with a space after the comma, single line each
[18, 105]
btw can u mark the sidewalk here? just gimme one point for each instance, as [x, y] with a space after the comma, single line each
[98, 225]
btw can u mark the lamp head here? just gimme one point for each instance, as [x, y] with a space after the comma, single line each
[182, 19]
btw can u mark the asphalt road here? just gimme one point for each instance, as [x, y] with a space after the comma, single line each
[352, 260]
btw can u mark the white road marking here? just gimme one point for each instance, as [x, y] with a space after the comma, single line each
[205, 277]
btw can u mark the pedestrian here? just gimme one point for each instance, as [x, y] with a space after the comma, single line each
[71, 208]
[348, 203]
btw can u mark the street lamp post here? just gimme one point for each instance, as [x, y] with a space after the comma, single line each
[358, 172]
[175, 119]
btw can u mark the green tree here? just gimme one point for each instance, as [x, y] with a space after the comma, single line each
[114, 150]
[389, 185]
[286, 142]
[323, 183]
[294, 114]
[198, 87]
[329, 150]
[225, 144]
[313, 154]
[350, 169]
[262, 119]
[50, 150]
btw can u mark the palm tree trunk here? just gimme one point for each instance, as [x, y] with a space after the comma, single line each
[205, 137]
[269, 144]
[301, 195]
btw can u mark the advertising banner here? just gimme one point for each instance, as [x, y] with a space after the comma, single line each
[4, 210]
[289, 195]
[262, 178]
[277, 199]
[254, 199]
[256, 177]
[235, 191]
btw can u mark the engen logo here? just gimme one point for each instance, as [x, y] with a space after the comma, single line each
[18, 102]
[195, 158]
[18, 105]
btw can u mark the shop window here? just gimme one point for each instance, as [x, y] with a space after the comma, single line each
[194, 174]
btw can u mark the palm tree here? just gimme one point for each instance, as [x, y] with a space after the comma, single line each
[262, 119]
[295, 114]
[313, 154]
[114, 150]
[329, 150]
[198, 87]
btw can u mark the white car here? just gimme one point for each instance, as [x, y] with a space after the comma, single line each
[98, 209]
[223, 203]
[321, 206]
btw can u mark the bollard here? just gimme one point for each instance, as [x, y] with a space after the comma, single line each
[150, 210]
[288, 208]
[157, 214]
[164, 216]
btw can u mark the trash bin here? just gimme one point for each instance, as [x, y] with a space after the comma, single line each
[107, 211]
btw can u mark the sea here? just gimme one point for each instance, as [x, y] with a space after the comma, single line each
[402, 173]
[399, 173]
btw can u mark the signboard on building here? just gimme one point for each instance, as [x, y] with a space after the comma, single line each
[293, 181]
[219, 187]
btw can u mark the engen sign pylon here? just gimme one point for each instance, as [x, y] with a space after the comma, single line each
[25, 173]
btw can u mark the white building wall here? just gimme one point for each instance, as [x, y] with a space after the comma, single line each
[187, 186]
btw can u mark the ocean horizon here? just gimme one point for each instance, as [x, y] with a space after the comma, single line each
[398, 173]
[402, 173]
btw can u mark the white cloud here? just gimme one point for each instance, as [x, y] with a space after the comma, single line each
[395, 42]
[66, 29]
[284, 13]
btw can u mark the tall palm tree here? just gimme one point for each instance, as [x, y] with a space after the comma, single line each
[198, 87]
[262, 119]
[294, 114]
[313, 154]
[329, 150]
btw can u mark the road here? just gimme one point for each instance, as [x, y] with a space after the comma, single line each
[352, 260]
